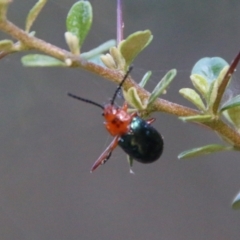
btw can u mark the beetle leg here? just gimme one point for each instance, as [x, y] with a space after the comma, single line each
[134, 115]
[150, 121]
[125, 106]
[106, 154]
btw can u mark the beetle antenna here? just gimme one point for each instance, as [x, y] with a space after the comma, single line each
[85, 100]
[120, 85]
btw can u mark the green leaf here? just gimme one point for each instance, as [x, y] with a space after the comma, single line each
[214, 87]
[234, 102]
[6, 45]
[133, 99]
[33, 14]
[3, 9]
[108, 61]
[118, 58]
[197, 118]
[39, 60]
[233, 116]
[99, 50]
[145, 79]
[134, 44]
[162, 85]
[97, 60]
[192, 96]
[200, 83]
[73, 43]
[79, 20]
[209, 68]
[195, 152]
[236, 202]
[212, 94]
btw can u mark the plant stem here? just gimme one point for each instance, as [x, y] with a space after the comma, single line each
[161, 105]
[120, 23]
[225, 82]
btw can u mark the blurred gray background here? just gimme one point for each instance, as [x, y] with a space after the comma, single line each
[49, 141]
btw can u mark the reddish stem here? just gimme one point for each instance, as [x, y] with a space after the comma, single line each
[120, 24]
[225, 82]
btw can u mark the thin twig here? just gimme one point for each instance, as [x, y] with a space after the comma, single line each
[160, 105]
[120, 23]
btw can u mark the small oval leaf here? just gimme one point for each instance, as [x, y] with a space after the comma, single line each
[145, 79]
[214, 101]
[133, 99]
[118, 58]
[233, 116]
[212, 94]
[214, 89]
[99, 50]
[79, 20]
[195, 152]
[40, 60]
[134, 44]
[236, 202]
[33, 14]
[209, 68]
[72, 42]
[97, 60]
[200, 83]
[108, 61]
[162, 85]
[6, 45]
[234, 102]
[192, 96]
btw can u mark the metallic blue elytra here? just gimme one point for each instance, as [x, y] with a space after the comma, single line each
[143, 143]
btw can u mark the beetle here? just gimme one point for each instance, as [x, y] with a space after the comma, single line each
[136, 136]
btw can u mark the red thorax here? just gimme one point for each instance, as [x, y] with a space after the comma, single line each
[117, 120]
